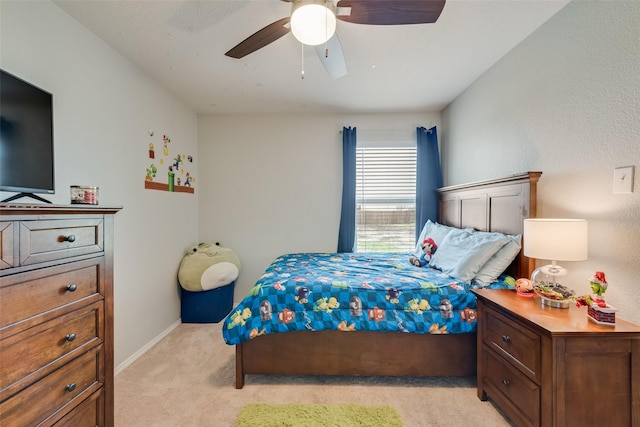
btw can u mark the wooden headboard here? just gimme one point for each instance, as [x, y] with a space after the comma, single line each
[493, 205]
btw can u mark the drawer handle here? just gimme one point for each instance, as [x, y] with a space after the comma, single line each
[72, 287]
[506, 338]
[70, 238]
[70, 337]
[70, 387]
[506, 382]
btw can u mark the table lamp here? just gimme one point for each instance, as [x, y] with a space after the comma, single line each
[555, 240]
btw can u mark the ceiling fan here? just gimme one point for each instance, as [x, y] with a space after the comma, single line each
[369, 12]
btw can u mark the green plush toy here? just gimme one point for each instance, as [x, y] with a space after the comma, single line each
[208, 266]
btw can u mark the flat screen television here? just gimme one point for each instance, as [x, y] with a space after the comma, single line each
[26, 139]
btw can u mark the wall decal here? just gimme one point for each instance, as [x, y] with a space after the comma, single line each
[174, 175]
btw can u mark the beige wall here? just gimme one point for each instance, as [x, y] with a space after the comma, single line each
[566, 102]
[103, 106]
[275, 182]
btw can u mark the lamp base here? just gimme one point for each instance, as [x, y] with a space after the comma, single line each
[548, 274]
[563, 303]
[546, 277]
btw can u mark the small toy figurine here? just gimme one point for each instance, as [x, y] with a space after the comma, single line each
[598, 283]
[524, 287]
[428, 248]
[599, 286]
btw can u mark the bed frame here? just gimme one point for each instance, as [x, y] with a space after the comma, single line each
[492, 205]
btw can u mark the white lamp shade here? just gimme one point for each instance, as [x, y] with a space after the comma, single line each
[312, 22]
[556, 239]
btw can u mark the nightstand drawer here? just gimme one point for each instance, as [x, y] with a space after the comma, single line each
[51, 240]
[516, 394]
[514, 342]
[28, 355]
[29, 294]
[73, 381]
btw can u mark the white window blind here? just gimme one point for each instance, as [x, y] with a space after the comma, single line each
[385, 198]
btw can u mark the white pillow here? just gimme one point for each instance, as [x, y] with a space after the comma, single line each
[462, 253]
[499, 262]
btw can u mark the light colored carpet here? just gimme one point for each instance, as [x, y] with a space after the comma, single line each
[317, 415]
[188, 379]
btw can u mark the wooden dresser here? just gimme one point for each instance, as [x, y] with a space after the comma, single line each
[546, 366]
[56, 315]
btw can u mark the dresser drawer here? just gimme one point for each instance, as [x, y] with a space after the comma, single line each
[50, 240]
[513, 391]
[25, 295]
[514, 342]
[88, 413]
[30, 354]
[76, 380]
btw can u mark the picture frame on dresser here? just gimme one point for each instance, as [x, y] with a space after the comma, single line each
[56, 316]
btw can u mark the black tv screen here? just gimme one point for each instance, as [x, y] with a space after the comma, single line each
[26, 137]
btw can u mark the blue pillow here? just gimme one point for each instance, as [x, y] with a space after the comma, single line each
[463, 252]
[499, 262]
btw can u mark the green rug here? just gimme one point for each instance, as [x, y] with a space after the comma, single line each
[299, 415]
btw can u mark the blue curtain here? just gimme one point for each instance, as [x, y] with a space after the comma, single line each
[428, 177]
[347, 234]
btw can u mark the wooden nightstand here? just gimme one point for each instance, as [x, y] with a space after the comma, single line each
[546, 366]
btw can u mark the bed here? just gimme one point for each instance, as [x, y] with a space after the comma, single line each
[409, 321]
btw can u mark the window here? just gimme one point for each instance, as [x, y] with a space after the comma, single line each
[385, 197]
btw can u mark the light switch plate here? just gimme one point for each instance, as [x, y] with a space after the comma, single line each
[623, 180]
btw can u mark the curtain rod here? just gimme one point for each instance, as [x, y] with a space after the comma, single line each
[380, 131]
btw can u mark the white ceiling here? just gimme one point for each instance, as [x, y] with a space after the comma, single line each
[405, 68]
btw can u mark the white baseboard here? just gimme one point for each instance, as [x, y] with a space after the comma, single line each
[135, 356]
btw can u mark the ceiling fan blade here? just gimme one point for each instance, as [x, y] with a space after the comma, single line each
[332, 57]
[391, 12]
[260, 38]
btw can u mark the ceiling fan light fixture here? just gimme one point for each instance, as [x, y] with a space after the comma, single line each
[313, 22]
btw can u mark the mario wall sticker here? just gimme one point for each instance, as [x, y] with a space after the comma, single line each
[178, 176]
[166, 140]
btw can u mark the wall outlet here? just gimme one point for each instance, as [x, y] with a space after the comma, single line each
[623, 180]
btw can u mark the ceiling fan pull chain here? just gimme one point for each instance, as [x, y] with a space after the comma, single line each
[302, 50]
[326, 28]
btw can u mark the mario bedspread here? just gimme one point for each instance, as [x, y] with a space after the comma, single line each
[352, 291]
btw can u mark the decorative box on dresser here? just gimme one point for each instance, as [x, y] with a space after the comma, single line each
[546, 366]
[56, 315]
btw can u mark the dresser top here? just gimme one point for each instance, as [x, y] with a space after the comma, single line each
[554, 320]
[41, 209]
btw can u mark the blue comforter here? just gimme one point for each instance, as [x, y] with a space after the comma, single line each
[352, 291]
